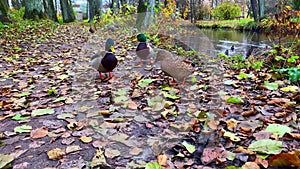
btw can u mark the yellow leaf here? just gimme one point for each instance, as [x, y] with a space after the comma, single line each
[86, 139]
[293, 89]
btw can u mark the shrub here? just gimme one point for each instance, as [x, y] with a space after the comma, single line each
[227, 11]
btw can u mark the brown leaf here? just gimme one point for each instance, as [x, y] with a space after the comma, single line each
[262, 162]
[162, 160]
[210, 154]
[262, 135]
[250, 165]
[39, 133]
[231, 124]
[132, 105]
[285, 160]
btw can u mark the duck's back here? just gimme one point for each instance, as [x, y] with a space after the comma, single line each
[176, 68]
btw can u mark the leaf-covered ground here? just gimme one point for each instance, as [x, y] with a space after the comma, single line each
[55, 113]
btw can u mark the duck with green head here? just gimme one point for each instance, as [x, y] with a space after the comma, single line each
[178, 68]
[105, 61]
[144, 50]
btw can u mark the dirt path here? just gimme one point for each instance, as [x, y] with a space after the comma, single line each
[127, 121]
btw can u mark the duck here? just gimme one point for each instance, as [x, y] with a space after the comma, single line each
[144, 51]
[178, 68]
[105, 61]
[227, 52]
[232, 48]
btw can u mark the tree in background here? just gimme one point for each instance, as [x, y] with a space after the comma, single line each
[4, 13]
[50, 10]
[203, 11]
[67, 11]
[91, 10]
[16, 4]
[296, 4]
[141, 13]
[227, 11]
[254, 10]
[34, 9]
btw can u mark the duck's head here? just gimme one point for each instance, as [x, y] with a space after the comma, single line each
[141, 37]
[109, 45]
[112, 49]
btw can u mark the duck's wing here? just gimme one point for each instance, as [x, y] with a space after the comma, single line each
[99, 54]
[178, 69]
[96, 60]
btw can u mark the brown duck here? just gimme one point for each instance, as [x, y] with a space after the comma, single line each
[178, 68]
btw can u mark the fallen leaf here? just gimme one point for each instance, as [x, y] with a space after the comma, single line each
[278, 129]
[39, 132]
[98, 159]
[162, 160]
[20, 117]
[293, 89]
[5, 160]
[71, 149]
[153, 165]
[190, 148]
[132, 105]
[235, 100]
[285, 160]
[270, 86]
[86, 139]
[135, 151]
[250, 165]
[55, 154]
[231, 136]
[40, 112]
[22, 129]
[111, 153]
[266, 146]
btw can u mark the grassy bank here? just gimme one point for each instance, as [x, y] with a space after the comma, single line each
[238, 24]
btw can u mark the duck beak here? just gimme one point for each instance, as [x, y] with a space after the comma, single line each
[135, 40]
[112, 48]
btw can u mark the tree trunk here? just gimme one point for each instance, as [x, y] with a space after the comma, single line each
[67, 11]
[261, 8]
[34, 9]
[254, 10]
[50, 10]
[6, 4]
[91, 10]
[100, 8]
[16, 4]
[3, 13]
[141, 14]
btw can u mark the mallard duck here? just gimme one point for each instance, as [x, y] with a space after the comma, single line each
[105, 61]
[144, 50]
[227, 52]
[178, 68]
[232, 48]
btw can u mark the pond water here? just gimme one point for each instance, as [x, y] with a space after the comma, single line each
[223, 40]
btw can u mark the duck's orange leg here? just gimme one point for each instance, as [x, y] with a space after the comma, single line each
[141, 63]
[173, 82]
[101, 77]
[151, 62]
[110, 75]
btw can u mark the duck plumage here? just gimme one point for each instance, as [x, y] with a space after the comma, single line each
[144, 51]
[105, 61]
[178, 68]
